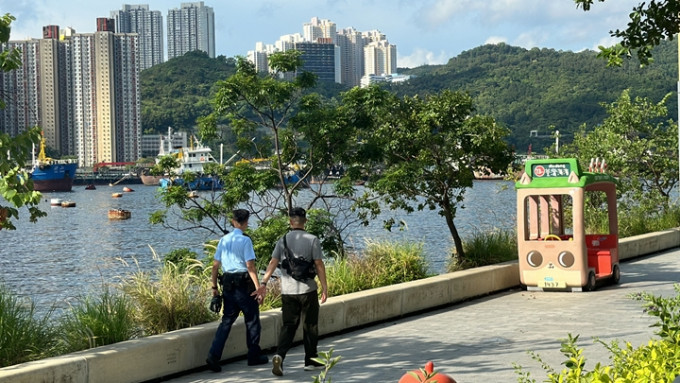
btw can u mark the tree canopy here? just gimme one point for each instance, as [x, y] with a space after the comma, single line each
[641, 149]
[15, 186]
[651, 22]
[412, 153]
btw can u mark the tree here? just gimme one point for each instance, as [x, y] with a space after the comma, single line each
[640, 148]
[285, 137]
[431, 147]
[15, 186]
[650, 23]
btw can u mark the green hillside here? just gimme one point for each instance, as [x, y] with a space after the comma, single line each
[523, 89]
[533, 89]
[178, 91]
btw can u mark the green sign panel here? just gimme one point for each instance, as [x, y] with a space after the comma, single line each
[550, 170]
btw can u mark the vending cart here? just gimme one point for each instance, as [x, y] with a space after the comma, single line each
[556, 250]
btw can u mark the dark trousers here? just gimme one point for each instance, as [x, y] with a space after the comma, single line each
[234, 302]
[293, 307]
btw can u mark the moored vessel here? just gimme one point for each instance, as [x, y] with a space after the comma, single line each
[191, 159]
[50, 175]
[150, 180]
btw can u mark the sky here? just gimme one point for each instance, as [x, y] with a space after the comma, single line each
[424, 31]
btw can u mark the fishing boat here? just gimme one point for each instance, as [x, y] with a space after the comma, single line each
[191, 159]
[50, 175]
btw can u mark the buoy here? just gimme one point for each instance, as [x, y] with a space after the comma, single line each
[429, 369]
[68, 204]
[117, 195]
[127, 189]
[119, 214]
[55, 202]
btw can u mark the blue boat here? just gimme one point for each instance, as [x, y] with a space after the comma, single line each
[200, 183]
[50, 175]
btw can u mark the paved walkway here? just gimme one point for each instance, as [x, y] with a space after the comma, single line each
[480, 340]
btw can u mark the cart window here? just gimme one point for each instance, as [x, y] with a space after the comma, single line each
[548, 214]
[597, 215]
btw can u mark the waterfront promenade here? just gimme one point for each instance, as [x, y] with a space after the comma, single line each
[479, 340]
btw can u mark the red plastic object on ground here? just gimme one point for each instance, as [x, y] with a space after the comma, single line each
[429, 368]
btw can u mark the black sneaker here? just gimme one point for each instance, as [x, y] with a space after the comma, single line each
[213, 365]
[262, 359]
[314, 365]
[277, 365]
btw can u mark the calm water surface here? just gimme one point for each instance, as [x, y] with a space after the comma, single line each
[73, 251]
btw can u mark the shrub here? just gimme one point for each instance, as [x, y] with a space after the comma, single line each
[347, 275]
[184, 259]
[175, 299]
[99, 321]
[381, 264]
[387, 263]
[657, 361]
[638, 220]
[23, 337]
[486, 248]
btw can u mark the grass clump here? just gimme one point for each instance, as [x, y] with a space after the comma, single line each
[381, 264]
[97, 321]
[486, 248]
[640, 221]
[23, 336]
[176, 298]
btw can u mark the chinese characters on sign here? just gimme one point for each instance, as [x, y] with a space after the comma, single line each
[551, 170]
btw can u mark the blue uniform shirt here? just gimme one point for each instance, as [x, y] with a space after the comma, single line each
[233, 251]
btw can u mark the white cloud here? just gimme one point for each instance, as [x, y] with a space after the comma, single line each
[422, 57]
[495, 40]
[530, 39]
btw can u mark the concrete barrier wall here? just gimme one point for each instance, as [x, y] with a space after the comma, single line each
[161, 355]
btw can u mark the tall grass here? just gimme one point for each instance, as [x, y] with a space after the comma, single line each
[176, 298]
[97, 321]
[381, 264]
[486, 248]
[639, 221]
[23, 336]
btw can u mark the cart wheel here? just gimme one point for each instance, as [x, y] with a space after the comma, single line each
[590, 286]
[616, 275]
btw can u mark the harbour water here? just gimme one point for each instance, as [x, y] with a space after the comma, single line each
[74, 251]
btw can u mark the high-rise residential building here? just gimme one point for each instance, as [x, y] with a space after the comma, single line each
[351, 45]
[355, 55]
[106, 25]
[19, 90]
[82, 90]
[148, 25]
[380, 58]
[321, 58]
[190, 28]
[319, 28]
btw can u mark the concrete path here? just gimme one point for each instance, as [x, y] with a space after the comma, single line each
[480, 340]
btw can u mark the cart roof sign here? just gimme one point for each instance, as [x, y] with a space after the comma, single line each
[558, 172]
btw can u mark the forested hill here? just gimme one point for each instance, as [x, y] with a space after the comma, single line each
[178, 91]
[523, 89]
[534, 89]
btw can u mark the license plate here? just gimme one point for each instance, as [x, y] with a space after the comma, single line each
[552, 284]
